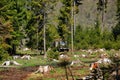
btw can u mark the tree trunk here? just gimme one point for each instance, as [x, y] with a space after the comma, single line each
[71, 73]
[117, 75]
[66, 72]
[13, 49]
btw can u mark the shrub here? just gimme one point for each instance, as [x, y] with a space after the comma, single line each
[3, 54]
[107, 45]
[116, 45]
[52, 55]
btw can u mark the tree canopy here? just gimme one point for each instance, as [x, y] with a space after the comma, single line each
[22, 24]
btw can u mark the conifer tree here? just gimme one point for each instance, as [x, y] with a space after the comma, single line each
[65, 18]
[101, 8]
[116, 29]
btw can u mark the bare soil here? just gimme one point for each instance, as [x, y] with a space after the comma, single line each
[23, 73]
[16, 74]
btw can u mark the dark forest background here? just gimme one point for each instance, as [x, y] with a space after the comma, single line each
[95, 24]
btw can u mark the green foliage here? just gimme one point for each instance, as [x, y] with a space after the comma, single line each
[102, 5]
[91, 38]
[64, 19]
[24, 19]
[34, 29]
[14, 12]
[52, 54]
[51, 34]
[116, 45]
[3, 54]
[34, 61]
[118, 11]
[116, 29]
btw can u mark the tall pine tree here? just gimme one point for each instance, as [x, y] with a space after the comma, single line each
[116, 29]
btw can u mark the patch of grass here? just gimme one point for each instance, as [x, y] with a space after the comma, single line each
[49, 79]
[84, 71]
[80, 52]
[29, 52]
[34, 77]
[58, 72]
[1, 69]
[37, 60]
[88, 60]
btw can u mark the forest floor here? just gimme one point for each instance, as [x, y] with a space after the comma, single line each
[26, 73]
[16, 73]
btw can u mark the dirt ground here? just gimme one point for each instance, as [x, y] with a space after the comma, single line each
[23, 73]
[16, 74]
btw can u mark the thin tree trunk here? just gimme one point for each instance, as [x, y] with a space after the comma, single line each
[72, 24]
[117, 75]
[66, 72]
[45, 55]
[71, 73]
[13, 49]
